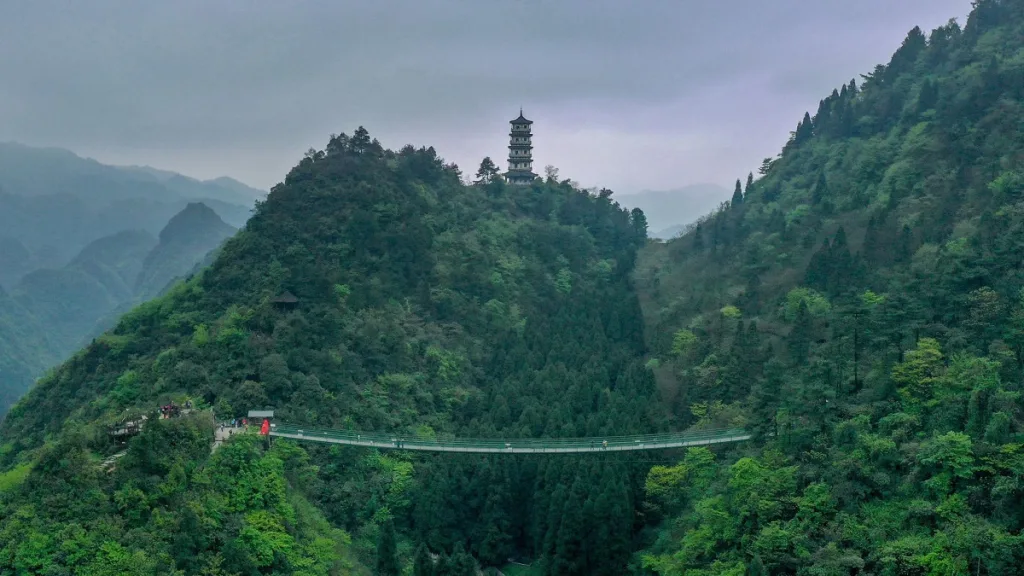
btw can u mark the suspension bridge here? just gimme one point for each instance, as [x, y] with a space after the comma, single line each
[512, 445]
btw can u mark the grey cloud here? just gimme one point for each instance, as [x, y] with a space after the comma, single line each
[170, 83]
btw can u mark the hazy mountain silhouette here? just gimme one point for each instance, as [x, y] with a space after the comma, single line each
[669, 211]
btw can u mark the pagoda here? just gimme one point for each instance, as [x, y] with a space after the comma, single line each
[520, 152]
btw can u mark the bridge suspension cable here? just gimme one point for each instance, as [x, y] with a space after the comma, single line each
[512, 445]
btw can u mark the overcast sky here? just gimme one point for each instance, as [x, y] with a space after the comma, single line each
[627, 94]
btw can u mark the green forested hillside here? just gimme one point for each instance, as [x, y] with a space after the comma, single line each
[25, 350]
[861, 306]
[425, 307]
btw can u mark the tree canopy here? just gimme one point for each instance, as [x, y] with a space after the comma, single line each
[876, 349]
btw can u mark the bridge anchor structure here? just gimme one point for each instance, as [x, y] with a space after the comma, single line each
[512, 445]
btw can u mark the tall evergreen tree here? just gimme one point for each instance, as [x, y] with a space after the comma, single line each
[387, 551]
[422, 564]
[800, 335]
[905, 244]
[820, 189]
[756, 567]
[804, 130]
[639, 221]
[698, 238]
[737, 195]
[928, 96]
[461, 563]
[767, 397]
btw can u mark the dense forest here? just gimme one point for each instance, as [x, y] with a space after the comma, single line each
[425, 306]
[860, 307]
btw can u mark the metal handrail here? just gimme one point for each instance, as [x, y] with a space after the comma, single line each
[589, 444]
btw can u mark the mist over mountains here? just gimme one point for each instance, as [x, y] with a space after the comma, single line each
[53, 203]
[82, 242]
[669, 211]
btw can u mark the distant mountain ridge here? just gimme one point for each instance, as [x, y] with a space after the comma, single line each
[669, 211]
[223, 188]
[186, 239]
[52, 311]
[53, 203]
[31, 171]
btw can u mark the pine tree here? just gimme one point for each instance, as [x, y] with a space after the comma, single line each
[387, 551]
[804, 130]
[766, 398]
[461, 563]
[905, 244]
[698, 238]
[737, 195]
[928, 97]
[639, 221]
[820, 189]
[495, 544]
[819, 269]
[569, 554]
[750, 184]
[800, 335]
[871, 249]
[756, 567]
[360, 142]
[444, 565]
[487, 172]
[846, 118]
[842, 268]
[422, 564]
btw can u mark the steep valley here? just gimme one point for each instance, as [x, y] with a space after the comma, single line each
[858, 307]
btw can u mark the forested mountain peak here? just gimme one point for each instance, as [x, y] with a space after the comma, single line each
[186, 240]
[425, 307]
[857, 305]
[195, 218]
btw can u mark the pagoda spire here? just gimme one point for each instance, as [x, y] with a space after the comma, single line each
[520, 152]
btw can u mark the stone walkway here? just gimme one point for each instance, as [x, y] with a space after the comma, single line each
[221, 434]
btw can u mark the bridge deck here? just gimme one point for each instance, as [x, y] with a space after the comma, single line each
[513, 445]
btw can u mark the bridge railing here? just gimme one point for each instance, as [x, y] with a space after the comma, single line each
[410, 441]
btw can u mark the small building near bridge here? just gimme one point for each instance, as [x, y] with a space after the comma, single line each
[266, 416]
